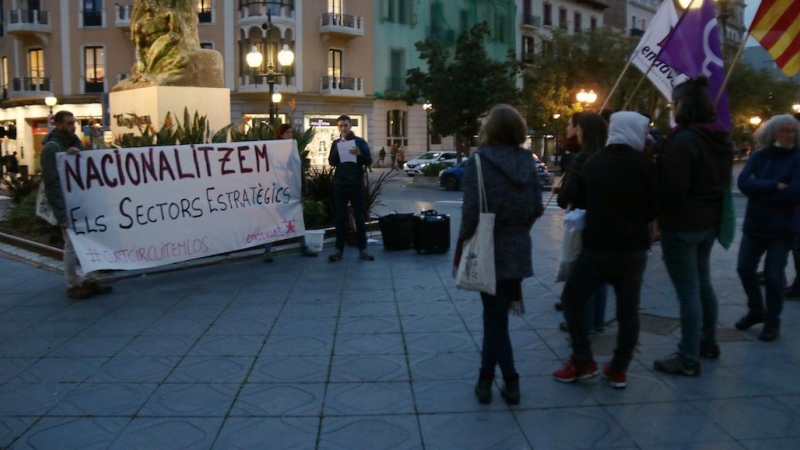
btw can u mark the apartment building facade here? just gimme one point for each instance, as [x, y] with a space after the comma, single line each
[78, 51]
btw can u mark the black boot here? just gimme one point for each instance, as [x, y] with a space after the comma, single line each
[770, 332]
[484, 390]
[510, 391]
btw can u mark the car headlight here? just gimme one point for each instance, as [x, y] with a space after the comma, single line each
[441, 172]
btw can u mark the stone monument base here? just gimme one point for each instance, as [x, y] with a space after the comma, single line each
[151, 104]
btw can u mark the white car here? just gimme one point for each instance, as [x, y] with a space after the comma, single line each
[414, 167]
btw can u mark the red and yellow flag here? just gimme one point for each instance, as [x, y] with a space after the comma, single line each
[777, 28]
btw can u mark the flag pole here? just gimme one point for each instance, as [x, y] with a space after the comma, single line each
[636, 89]
[614, 89]
[730, 70]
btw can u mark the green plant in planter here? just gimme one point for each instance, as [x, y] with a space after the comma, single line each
[315, 215]
[22, 218]
[432, 170]
[320, 187]
[20, 187]
[373, 189]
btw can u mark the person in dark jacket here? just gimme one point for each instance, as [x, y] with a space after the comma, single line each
[348, 185]
[62, 139]
[771, 182]
[513, 194]
[621, 196]
[592, 133]
[696, 169]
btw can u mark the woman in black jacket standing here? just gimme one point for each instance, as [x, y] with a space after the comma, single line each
[513, 194]
[592, 132]
[696, 170]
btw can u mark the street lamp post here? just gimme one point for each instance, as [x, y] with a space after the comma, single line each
[586, 98]
[427, 106]
[50, 101]
[796, 108]
[556, 116]
[285, 59]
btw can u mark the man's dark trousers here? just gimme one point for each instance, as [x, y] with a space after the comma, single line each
[354, 194]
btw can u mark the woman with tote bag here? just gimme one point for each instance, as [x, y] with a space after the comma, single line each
[513, 195]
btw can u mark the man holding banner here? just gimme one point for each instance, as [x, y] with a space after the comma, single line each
[62, 139]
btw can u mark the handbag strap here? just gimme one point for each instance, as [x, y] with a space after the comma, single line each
[481, 189]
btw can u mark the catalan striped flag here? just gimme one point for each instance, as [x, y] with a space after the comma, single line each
[777, 28]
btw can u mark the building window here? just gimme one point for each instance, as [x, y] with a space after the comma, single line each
[548, 14]
[501, 29]
[403, 11]
[4, 81]
[334, 63]
[593, 23]
[36, 63]
[92, 13]
[396, 126]
[204, 10]
[207, 45]
[562, 18]
[397, 11]
[94, 69]
[528, 43]
[463, 21]
[397, 70]
[578, 19]
[335, 6]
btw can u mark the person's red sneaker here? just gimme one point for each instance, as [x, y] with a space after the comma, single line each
[616, 378]
[572, 372]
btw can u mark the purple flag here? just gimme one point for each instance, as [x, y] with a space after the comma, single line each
[693, 48]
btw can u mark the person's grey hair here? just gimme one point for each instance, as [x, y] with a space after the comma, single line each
[767, 134]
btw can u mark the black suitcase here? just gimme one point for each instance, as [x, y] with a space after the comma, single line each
[431, 232]
[397, 231]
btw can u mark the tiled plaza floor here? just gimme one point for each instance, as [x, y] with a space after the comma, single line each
[305, 354]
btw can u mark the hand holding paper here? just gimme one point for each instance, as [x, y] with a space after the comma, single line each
[346, 153]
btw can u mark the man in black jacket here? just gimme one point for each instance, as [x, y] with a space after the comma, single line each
[348, 185]
[620, 193]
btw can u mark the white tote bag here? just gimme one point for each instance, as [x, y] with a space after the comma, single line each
[43, 209]
[572, 244]
[476, 268]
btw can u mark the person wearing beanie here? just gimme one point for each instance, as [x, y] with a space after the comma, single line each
[620, 192]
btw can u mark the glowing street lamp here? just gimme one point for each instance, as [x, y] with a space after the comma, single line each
[586, 98]
[755, 121]
[50, 101]
[427, 106]
[285, 58]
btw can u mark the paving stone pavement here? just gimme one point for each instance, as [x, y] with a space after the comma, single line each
[306, 354]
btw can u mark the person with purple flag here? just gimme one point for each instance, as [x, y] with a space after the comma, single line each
[695, 172]
[693, 48]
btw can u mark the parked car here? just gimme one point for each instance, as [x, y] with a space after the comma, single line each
[414, 167]
[452, 177]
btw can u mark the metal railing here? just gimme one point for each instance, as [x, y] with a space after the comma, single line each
[396, 84]
[27, 84]
[32, 16]
[534, 21]
[342, 83]
[342, 20]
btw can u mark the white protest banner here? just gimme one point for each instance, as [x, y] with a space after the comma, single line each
[147, 207]
[661, 75]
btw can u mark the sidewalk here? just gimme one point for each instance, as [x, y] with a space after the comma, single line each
[306, 354]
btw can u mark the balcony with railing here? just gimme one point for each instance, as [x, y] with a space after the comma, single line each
[122, 16]
[257, 83]
[28, 87]
[27, 21]
[342, 86]
[532, 21]
[254, 12]
[341, 25]
[438, 33]
[396, 85]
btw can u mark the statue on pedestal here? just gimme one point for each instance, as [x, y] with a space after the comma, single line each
[168, 47]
